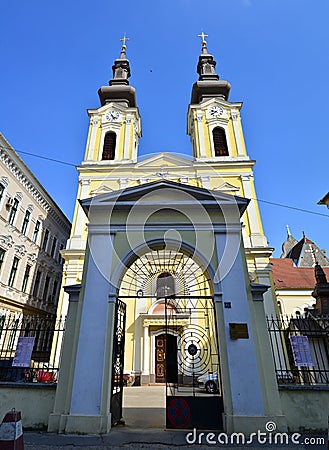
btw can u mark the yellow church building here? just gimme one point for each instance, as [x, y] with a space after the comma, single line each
[167, 275]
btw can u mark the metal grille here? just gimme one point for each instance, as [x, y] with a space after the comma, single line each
[178, 293]
[118, 361]
[141, 277]
[193, 401]
[300, 349]
[43, 347]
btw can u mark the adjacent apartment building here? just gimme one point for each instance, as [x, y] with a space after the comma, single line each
[33, 230]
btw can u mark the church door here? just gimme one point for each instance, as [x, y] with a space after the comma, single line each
[160, 358]
[166, 359]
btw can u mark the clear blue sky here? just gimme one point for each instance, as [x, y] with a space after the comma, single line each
[55, 56]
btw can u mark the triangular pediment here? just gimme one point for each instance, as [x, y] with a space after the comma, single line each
[164, 159]
[226, 187]
[101, 190]
[164, 193]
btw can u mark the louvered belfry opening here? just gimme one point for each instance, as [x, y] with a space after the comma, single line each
[220, 144]
[109, 145]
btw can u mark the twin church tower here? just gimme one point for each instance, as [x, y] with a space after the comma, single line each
[219, 163]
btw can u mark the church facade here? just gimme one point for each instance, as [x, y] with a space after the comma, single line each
[167, 275]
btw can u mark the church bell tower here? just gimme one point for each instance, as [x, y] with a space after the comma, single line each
[213, 122]
[215, 129]
[115, 127]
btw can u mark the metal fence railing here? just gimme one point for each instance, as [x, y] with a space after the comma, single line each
[300, 348]
[30, 348]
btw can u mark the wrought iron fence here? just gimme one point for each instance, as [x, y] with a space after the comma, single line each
[30, 348]
[300, 348]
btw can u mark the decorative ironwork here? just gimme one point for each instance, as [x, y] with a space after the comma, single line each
[165, 272]
[118, 361]
[186, 348]
[196, 356]
[300, 348]
[43, 336]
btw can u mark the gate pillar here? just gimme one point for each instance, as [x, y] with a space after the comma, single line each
[87, 409]
[251, 396]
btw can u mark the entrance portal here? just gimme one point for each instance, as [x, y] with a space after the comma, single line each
[171, 336]
[166, 358]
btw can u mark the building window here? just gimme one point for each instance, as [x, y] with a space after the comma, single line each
[220, 144]
[13, 211]
[53, 247]
[45, 289]
[2, 323]
[2, 191]
[13, 333]
[2, 256]
[45, 240]
[26, 221]
[60, 259]
[109, 145]
[165, 285]
[54, 292]
[26, 277]
[13, 272]
[36, 231]
[36, 284]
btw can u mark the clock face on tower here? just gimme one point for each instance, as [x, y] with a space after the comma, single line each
[215, 111]
[113, 115]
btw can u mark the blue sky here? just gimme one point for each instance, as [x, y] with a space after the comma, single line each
[55, 56]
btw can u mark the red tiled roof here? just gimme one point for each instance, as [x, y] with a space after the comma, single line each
[287, 276]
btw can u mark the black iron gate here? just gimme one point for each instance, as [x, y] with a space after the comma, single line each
[193, 384]
[118, 361]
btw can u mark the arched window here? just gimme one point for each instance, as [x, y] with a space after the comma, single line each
[109, 145]
[165, 285]
[220, 144]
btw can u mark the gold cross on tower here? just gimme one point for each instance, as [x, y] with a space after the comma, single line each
[203, 36]
[124, 39]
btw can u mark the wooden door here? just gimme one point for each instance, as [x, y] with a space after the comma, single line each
[160, 358]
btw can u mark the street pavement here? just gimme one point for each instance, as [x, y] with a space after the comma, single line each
[144, 414]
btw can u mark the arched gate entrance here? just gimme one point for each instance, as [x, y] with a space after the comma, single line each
[165, 307]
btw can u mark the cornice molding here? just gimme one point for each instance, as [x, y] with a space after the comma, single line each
[23, 178]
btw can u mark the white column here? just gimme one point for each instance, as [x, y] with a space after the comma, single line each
[205, 182]
[123, 183]
[76, 242]
[92, 139]
[86, 397]
[146, 365]
[201, 136]
[242, 364]
[127, 139]
[237, 134]
[257, 239]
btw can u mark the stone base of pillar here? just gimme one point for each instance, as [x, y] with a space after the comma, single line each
[75, 424]
[137, 374]
[145, 379]
[251, 424]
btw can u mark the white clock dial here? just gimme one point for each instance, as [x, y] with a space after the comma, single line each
[215, 111]
[112, 115]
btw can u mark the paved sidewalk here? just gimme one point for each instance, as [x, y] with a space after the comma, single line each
[144, 414]
[155, 439]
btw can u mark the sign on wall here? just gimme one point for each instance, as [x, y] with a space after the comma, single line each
[301, 351]
[23, 352]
